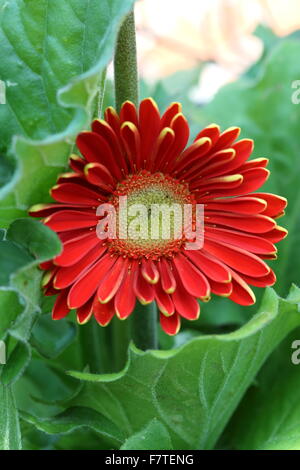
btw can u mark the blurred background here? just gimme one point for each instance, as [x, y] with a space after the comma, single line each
[174, 35]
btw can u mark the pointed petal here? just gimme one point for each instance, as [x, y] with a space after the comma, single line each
[241, 260]
[275, 204]
[87, 284]
[163, 300]
[84, 313]
[194, 281]
[125, 299]
[76, 194]
[74, 250]
[250, 224]
[241, 205]
[242, 240]
[112, 281]
[68, 275]
[210, 266]
[61, 309]
[66, 220]
[142, 288]
[166, 275]
[149, 126]
[149, 271]
[99, 175]
[103, 313]
[212, 132]
[170, 325]
[241, 292]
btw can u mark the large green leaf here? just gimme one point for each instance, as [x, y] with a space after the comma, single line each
[154, 436]
[27, 244]
[10, 437]
[269, 415]
[76, 418]
[54, 54]
[192, 390]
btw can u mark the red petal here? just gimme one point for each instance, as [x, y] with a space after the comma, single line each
[193, 280]
[162, 147]
[212, 132]
[106, 131]
[149, 271]
[149, 126]
[276, 235]
[132, 143]
[112, 281]
[44, 210]
[87, 284]
[125, 299]
[71, 220]
[68, 275]
[61, 309]
[242, 240]
[239, 259]
[195, 151]
[241, 293]
[75, 194]
[76, 163]
[99, 175]
[170, 325]
[169, 114]
[112, 118]
[95, 149]
[252, 180]
[275, 204]
[142, 289]
[240, 205]
[74, 250]
[166, 275]
[128, 113]
[185, 304]
[211, 267]
[264, 281]
[252, 224]
[103, 312]
[163, 300]
[84, 313]
[223, 289]
[211, 185]
[227, 138]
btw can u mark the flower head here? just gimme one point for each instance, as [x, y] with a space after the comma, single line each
[145, 157]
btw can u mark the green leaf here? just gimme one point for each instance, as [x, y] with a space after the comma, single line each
[50, 338]
[154, 436]
[76, 418]
[192, 390]
[10, 437]
[27, 244]
[54, 54]
[268, 418]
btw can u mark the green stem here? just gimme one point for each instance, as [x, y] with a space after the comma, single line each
[125, 64]
[144, 326]
[144, 318]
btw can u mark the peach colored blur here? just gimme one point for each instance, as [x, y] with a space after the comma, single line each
[177, 34]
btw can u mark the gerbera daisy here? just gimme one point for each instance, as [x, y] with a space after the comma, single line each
[144, 156]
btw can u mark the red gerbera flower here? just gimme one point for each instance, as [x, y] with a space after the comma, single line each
[142, 155]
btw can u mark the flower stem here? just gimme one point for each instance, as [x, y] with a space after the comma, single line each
[144, 326]
[143, 322]
[125, 64]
